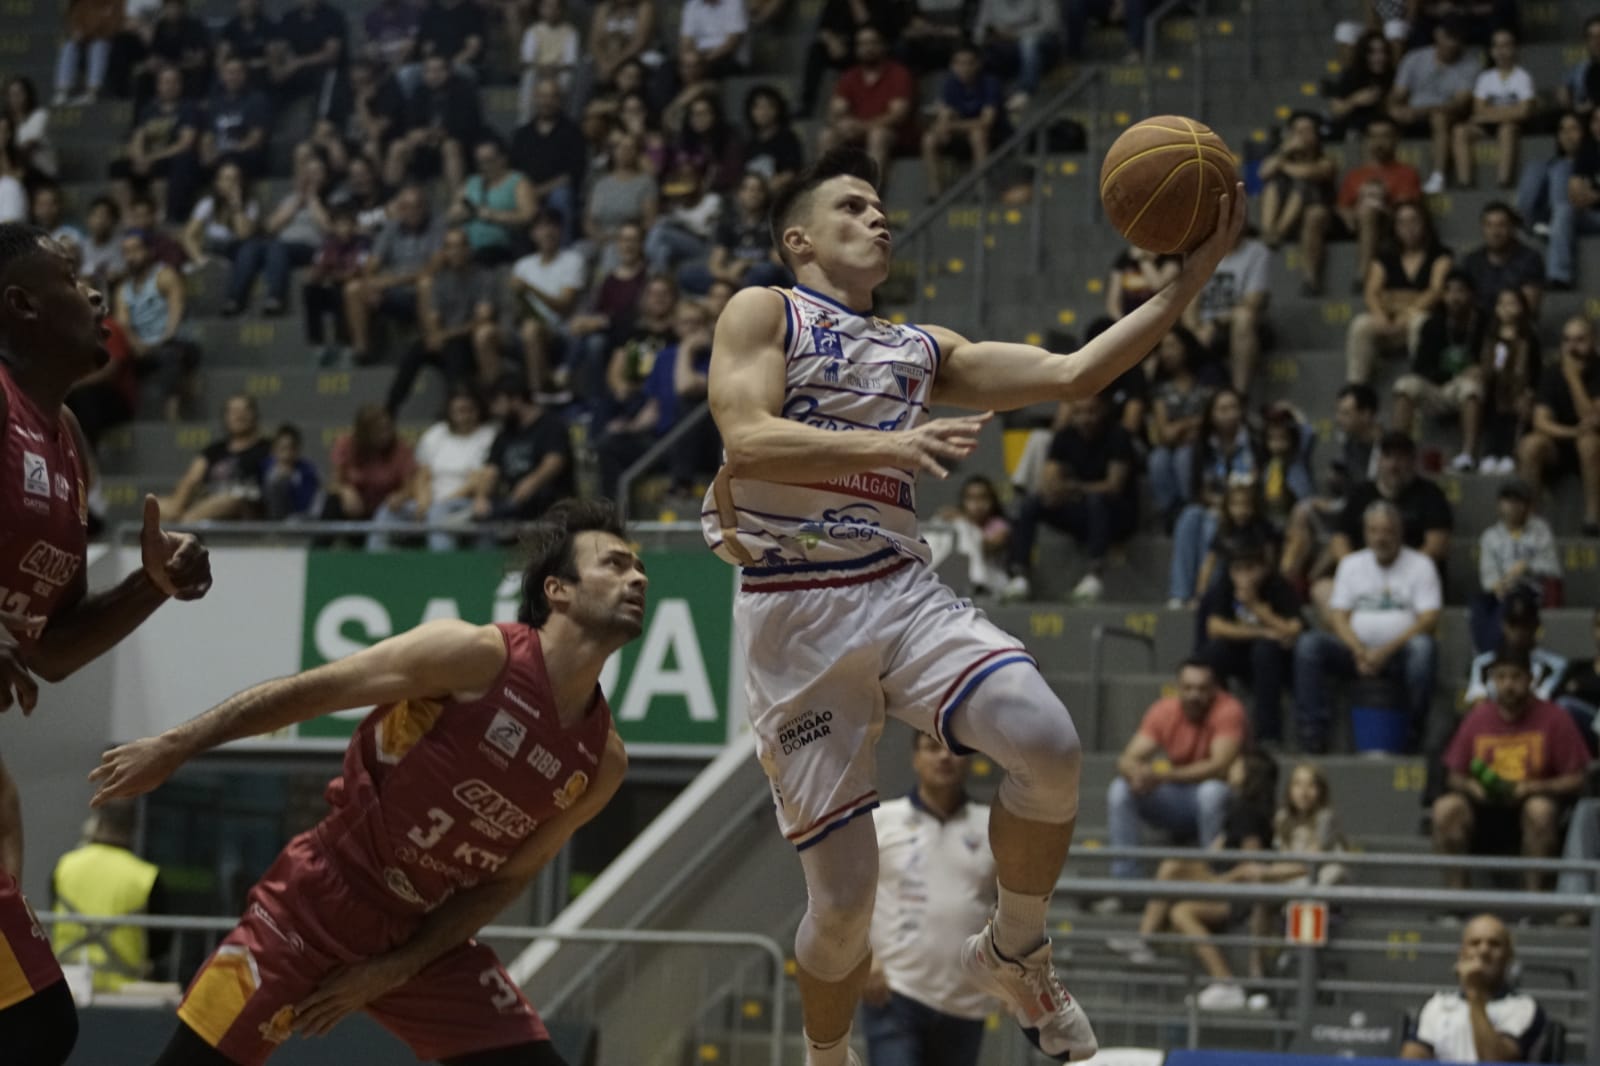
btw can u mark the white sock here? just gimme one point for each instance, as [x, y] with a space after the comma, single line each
[833, 1053]
[1019, 922]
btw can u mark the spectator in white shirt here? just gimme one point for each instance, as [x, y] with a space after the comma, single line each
[549, 50]
[1383, 613]
[1485, 1020]
[1433, 91]
[1502, 100]
[935, 875]
[450, 456]
[545, 287]
[717, 30]
[32, 121]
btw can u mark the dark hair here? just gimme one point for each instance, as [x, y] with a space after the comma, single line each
[1246, 547]
[464, 390]
[548, 546]
[1365, 396]
[142, 199]
[30, 94]
[1430, 232]
[1521, 608]
[1515, 657]
[1258, 793]
[19, 241]
[983, 480]
[965, 45]
[292, 431]
[1203, 452]
[1501, 207]
[1194, 352]
[492, 139]
[768, 92]
[1592, 20]
[1397, 440]
[547, 216]
[513, 385]
[345, 212]
[110, 205]
[795, 198]
[363, 432]
[1196, 662]
[117, 821]
[1461, 277]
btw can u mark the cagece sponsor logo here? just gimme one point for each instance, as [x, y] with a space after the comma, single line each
[799, 731]
[481, 799]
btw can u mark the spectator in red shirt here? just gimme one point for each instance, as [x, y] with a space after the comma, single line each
[873, 104]
[108, 397]
[370, 466]
[1371, 192]
[1515, 762]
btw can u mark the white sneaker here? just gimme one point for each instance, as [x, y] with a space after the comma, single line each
[1487, 464]
[1175, 604]
[1134, 949]
[1259, 1001]
[1106, 906]
[1462, 463]
[1507, 465]
[1218, 996]
[1435, 184]
[1088, 590]
[1050, 1018]
[1017, 588]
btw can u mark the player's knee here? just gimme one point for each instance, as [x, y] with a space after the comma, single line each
[832, 939]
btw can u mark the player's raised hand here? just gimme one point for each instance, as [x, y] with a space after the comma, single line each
[1231, 214]
[177, 563]
[16, 683]
[345, 991]
[130, 770]
[939, 441]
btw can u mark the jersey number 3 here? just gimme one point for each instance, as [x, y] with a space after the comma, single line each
[427, 838]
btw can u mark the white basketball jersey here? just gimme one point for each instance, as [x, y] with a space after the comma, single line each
[844, 371]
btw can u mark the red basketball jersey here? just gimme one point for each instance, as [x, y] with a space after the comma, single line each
[437, 794]
[44, 511]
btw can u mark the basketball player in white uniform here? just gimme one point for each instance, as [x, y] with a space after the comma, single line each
[823, 411]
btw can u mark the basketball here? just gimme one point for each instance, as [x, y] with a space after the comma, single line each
[1161, 180]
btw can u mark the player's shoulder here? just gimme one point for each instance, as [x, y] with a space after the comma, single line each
[756, 315]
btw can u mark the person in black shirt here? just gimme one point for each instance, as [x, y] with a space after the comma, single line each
[1578, 691]
[458, 30]
[367, 113]
[1249, 622]
[248, 35]
[1566, 426]
[530, 462]
[309, 54]
[1503, 262]
[771, 147]
[1576, 213]
[177, 39]
[1425, 516]
[834, 45]
[549, 148]
[441, 119]
[160, 153]
[741, 253]
[1087, 489]
[224, 480]
[1444, 376]
[236, 124]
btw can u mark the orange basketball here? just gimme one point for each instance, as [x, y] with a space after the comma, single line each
[1161, 180]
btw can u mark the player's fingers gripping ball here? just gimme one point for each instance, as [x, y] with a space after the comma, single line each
[1161, 181]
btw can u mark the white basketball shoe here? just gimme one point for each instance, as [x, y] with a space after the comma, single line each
[1050, 1018]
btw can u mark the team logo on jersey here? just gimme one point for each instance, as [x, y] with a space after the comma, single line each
[506, 733]
[35, 475]
[501, 814]
[48, 563]
[569, 793]
[830, 373]
[279, 1027]
[826, 341]
[909, 377]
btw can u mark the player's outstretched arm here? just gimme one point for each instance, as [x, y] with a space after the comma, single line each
[746, 390]
[435, 659]
[461, 916]
[999, 376]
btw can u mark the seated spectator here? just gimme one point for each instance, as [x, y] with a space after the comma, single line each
[224, 481]
[1247, 826]
[1433, 92]
[101, 244]
[457, 31]
[1580, 87]
[833, 47]
[390, 29]
[607, 315]
[313, 46]
[1515, 555]
[364, 196]
[1132, 15]
[31, 122]
[1224, 451]
[1578, 693]
[366, 119]
[456, 307]
[1510, 363]
[1136, 275]
[107, 397]
[450, 458]
[1515, 763]
[1518, 632]
[45, 212]
[634, 118]
[1307, 545]
[151, 305]
[1178, 412]
[549, 150]
[697, 455]
[337, 264]
[1477, 20]
[530, 462]
[1544, 182]
[1565, 437]
[494, 206]
[236, 124]
[550, 47]
[1402, 288]
[142, 216]
[1229, 317]
[180, 40]
[1503, 100]
[1020, 39]
[1287, 442]
[873, 104]
[1503, 262]
[1369, 193]
[1361, 95]
[1249, 623]
[248, 36]
[90, 29]
[387, 284]
[624, 195]
[442, 119]
[684, 230]
[636, 345]
[545, 287]
[982, 535]
[290, 485]
[130, 46]
[288, 238]
[933, 31]
[970, 118]
[1297, 198]
[1087, 489]
[681, 84]
[717, 30]
[742, 253]
[1575, 213]
[160, 152]
[1487, 1020]
[1383, 613]
[13, 193]
[1444, 378]
[370, 466]
[1425, 516]
[1240, 520]
[772, 148]
[223, 220]
[709, 145]
[1198, 733]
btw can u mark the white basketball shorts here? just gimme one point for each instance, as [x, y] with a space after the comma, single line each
[824, 665]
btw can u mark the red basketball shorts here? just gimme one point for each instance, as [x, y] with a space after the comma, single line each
[27, 965]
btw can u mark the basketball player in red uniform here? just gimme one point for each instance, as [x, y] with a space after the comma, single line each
[51, 335]
[489, 746]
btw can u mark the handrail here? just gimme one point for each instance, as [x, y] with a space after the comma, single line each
[1152, 27]
[1097, 639]
[1348, 858]
[753, 941]
[662, 445]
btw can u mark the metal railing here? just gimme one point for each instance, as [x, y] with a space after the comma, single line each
[1197, 72]
[646, 462]
[768, 948]
[1097, 647]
